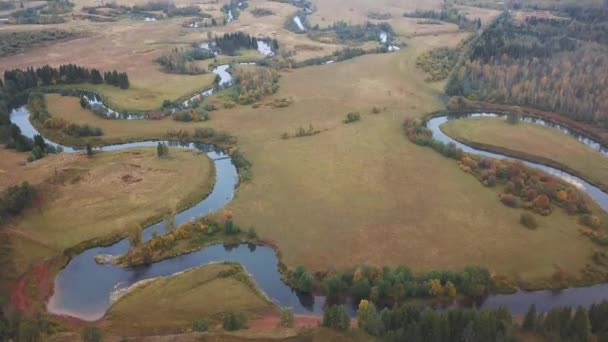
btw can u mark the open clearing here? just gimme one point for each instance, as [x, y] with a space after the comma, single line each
[104, 194]
[363, 186]
[202, 293]
[533, 139]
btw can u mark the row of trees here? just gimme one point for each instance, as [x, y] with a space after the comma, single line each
[389, 286]
[557, 65]
[566, 324]
[230, 43]
[411, 323]
[18, 80]
[418, 323]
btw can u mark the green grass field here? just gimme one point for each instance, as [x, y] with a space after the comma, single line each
[533, 139]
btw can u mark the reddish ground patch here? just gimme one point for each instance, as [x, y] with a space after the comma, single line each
[39, 279]
[18, 296]
[271, 322]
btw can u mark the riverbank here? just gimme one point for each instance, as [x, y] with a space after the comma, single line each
[202, 293]
[527, 148]
[458, 104]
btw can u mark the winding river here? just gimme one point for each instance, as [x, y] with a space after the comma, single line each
[225, 79]
[83, 289]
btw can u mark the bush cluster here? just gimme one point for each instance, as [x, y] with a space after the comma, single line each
[15, 199]
[352, 117]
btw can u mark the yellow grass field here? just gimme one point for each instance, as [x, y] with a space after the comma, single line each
[86, 198]
[201, 293]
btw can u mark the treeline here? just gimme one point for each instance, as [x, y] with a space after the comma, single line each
[18, 81]
[389, 286]
[230, 43]
[450, 15]
[410, 322]
[417, 323]
[566, 324]
[557, 65]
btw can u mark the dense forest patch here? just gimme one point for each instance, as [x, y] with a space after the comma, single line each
[558, 65]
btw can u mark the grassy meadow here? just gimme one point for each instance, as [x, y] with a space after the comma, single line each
[202, 293]
[104, 194]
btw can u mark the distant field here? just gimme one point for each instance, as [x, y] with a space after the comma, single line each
[133, 45]
[533, 139]
[201, 293]
[357, 11]
[90, 197]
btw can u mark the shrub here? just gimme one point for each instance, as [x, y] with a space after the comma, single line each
[286, 320]
[85, 130]
[352, 117]
[590, 221]
[16, 198]
[528, 221]
[92, 334]
[509, 200]
[261, 12]
[200, 325]
[230, 228]
[251, 233]
[235, 321]
[162, 150]
[204, 133]
[336, 317]
[542, 205]
[303, 281]
[513, 118]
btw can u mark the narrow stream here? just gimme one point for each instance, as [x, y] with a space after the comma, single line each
[83, 288]
[225, 80]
